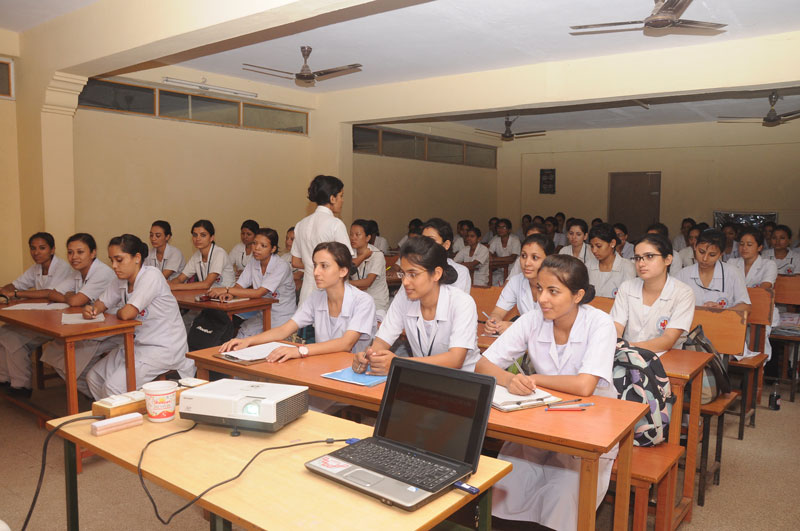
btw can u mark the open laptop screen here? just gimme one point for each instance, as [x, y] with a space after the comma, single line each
[445, 415]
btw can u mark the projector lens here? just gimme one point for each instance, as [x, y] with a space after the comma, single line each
[251, 409]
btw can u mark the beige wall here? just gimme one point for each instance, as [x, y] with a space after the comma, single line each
[704, 167]
[10, 228]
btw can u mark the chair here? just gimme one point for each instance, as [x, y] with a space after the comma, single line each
[485, 299]
[787, 291]
[502, 263]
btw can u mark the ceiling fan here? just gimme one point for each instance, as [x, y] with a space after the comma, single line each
[665, 14]
[508, 135]
[305, 77]
[771, 119]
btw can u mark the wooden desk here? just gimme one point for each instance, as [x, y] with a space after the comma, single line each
[263, 304]
[500, 262]
[612, 420]
[276, 492]
[682, 367]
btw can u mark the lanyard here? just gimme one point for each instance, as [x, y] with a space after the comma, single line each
[419, 338]
[208, 266]
[700, 283]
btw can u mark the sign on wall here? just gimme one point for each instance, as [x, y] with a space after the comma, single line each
[547, 181]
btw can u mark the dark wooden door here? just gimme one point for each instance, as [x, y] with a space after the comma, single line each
[634, 199]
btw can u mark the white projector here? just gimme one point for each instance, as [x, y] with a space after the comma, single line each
[244, 404]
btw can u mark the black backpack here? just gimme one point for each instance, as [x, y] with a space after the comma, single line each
[211, 328]
[640, 377]
[715, 374]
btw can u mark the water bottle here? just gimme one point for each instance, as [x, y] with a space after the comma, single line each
[775, 399]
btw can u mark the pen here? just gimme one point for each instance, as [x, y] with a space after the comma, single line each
[584, 404]
[565, 409]
[569, 401]
[516, 364]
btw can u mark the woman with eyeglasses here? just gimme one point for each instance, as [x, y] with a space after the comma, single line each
[653, 311]
[440, 320]
[715, 283]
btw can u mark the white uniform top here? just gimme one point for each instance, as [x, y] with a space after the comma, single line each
[279, 283]
[378, 290]
[287, 257]
[727, 286]
[761, 271]
[480, 276]
[790, 265]
[677, 264]
[161, 339]
[674, 308]
[517, 292]
[458, 244]
[678, 243]
[589, 350]
[686, 256]
[172, 261]
[455, 325]
[584, 256]
[606, 284]
[217, 262]
[627, 250]
[559, 238]
[97, 279]
[382, 244]
[320, 226]
[733, 254]
[32, 278]
[463, 282]
[513, 246]
[487, 236]
[239, 257]
[516, 269]
[358, 314]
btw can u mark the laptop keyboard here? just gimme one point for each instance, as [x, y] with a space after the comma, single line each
[398, 464]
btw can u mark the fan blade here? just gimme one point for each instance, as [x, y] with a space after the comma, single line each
[487, 132]
[328, 71]
[683, 23]
[731, 120]
[740, 117]
[530, 133]
[606, 25]
[791, 115]
[272, 69]
[267, 73]
[603, 32]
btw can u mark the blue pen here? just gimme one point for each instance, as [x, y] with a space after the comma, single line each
[559, 406]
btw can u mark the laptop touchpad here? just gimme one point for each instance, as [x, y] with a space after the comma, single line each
[364, 477]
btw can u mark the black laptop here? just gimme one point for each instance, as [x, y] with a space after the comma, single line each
[428, 435]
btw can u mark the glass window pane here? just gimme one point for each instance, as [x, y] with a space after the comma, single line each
[173, 104]
[483, 157]
[117, 97]
[274, 119]
[400, 145]
[214, 110]
[5, 79]
[365, 140]
[440, 151]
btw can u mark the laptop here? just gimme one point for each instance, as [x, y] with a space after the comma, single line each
[428, 435]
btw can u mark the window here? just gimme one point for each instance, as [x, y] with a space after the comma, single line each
[440, 151]
[117, 97]
[483, 157]
[365, 140]
[5, 78]
[173, 105]
[400, 145]
[273, 119]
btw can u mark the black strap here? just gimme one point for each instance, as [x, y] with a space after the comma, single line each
[430, 347]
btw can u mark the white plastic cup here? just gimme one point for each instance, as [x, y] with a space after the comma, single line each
[160, 398]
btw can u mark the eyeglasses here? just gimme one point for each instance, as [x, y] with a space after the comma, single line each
[649, 257]
[411, 274]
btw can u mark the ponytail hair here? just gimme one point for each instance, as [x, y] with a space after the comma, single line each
[571, 272]
[130, 244]
[429, 255]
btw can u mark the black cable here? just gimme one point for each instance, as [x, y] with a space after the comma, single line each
[209, 489]
[44, 461]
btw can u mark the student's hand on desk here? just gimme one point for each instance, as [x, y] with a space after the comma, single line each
[522, 384]
[360, 361]
[89, 311]
[496, 327]
[282, 354]
[234, 344]
[225, 297]
[215, 293]
[379, 362]
[711, 304]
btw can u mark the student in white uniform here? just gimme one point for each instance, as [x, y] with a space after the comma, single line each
[687, 253]
[730, 230]
[768, 228]
[559, 238]
[414, 230]
[475, 257]
[505, 244]
[370, 274]
[163, 256]
[577, 230]
[36, 282]
[141, 293]
[609, 270]
[381, 243]
[758, 273]
[524, 223]
[441, 232]
[625, 248]
[264, 276]
[535, 228]
[458, 241]
[681, 241]
[209, 267]
[653, 311]
[321, 226]
[242, 252]
[571, 349]
[343, 316]
[715, 284]
[677, 262]
[491, 232]
[88, 281]
[521, 289]
[786, 259]
[288, 241]
[440, 321]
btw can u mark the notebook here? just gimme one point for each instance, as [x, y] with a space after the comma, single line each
[505, 401]
[428, 435]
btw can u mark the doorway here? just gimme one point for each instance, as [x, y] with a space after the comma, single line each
[634, 199]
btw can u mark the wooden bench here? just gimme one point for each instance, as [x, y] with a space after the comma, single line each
[486, 299]
[602, 303]
[787, 291]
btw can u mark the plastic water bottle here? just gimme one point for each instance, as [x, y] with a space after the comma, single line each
[775, 399]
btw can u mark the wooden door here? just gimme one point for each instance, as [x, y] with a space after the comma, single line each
[634, 199]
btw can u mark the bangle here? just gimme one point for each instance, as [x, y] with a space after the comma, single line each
[15, 293]
[227, 290]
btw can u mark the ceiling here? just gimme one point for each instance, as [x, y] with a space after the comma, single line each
[21, 15]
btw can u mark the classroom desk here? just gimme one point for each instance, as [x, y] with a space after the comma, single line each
[263, 304]
[682, 367]
[276, 492]
[500, 262]
[612, 420]
[484, 342]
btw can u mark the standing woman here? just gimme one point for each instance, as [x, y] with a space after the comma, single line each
[475, 257]
[264, 276]
[163, 256]
[521, 290]
[786, 259]
[609, 270]
[653, 311]
[440, 321]
[321, 226]
[140, 292]
[47, 272]
[571, 347]
[576, 236]
[242, 252]
[370, 274]
[441, 232]
[209, 266]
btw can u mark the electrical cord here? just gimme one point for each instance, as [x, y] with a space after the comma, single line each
[212, 487]
[44, 462]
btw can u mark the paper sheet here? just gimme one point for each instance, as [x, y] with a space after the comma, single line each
[506, 401]
[77, 318]
[38, 306]
[350, 376]
[258, 352]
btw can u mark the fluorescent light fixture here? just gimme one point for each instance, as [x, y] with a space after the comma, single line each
[202, 85]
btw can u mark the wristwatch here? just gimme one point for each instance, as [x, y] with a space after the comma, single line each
[303, 350]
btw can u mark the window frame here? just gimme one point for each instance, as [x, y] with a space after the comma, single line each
[11, 89]
[155, 99]
[249, 127]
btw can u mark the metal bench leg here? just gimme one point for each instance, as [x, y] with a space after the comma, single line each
[718, 454]
[746, 376]
[701, 488]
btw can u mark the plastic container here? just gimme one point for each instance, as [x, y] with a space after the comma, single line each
[160, 398]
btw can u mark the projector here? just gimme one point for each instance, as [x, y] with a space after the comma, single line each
[244, 404]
